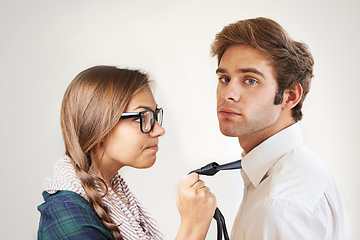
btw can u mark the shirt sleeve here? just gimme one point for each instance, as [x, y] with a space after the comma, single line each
[68, 219]
[280, 219]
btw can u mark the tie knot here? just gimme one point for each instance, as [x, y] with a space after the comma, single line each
[212, 168]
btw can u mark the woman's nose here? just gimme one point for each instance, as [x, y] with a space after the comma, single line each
[158, 130]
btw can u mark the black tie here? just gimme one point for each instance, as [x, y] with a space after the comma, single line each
[210, 170]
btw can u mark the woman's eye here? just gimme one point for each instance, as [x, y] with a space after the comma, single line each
[224, 79]
[138, 119]
[250, 81]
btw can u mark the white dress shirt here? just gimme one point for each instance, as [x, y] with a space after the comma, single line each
[288, 193]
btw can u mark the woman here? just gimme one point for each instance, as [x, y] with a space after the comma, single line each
[109, 119]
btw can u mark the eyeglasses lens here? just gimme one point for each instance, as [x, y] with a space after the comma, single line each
[159, 116]
[147, 121]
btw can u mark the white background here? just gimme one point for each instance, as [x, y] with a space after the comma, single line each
[44, 44]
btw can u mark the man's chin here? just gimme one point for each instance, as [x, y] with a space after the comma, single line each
[227, 132]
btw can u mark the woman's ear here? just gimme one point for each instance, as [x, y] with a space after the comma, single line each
[292, 96]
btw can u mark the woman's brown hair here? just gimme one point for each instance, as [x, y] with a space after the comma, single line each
[91, 107]
[291, 60]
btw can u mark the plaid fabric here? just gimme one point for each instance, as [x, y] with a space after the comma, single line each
[67, 215]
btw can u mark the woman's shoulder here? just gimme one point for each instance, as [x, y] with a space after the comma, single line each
[63, 200]
[64, 196]
[66, 204]
[69, 215]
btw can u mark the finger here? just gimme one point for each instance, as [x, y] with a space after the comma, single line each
[208, 194]
[199, 185]
[190, 180]
[206, 190]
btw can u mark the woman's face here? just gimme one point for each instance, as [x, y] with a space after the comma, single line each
[126, 145]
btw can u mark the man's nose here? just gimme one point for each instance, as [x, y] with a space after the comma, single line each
[231, 92]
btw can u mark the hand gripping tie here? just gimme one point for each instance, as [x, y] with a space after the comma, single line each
[210, 170]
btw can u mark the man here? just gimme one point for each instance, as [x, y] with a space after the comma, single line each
[264, 77]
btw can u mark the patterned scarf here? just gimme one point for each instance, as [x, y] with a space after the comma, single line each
[126, 211]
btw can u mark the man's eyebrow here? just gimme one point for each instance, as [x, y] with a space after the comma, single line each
[220, 70]
[251, 70]
[242, 70]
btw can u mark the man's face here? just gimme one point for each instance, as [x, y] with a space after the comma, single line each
[245, 93]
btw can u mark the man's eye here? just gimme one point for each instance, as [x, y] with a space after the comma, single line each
[250, 81]
[224, 79]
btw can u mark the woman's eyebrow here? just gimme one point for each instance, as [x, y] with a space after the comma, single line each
[144, 107]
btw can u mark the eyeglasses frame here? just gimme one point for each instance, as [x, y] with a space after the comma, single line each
[141, 114]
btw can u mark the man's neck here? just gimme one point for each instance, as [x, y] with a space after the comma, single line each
[249, 142]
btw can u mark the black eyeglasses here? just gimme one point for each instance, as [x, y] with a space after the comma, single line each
[147, 118]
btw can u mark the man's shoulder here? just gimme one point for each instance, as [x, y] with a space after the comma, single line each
[299, 175]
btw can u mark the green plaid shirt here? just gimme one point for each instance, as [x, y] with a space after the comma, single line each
[67, 215]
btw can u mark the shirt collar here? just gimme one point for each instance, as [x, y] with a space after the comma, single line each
[259, 160]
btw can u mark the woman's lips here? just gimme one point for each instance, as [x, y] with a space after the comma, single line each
[154, 148]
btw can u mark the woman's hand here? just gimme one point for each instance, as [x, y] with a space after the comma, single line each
[196, 205]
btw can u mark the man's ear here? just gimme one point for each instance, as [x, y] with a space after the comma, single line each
[292, 96]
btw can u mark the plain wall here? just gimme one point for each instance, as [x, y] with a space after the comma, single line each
[44, 44]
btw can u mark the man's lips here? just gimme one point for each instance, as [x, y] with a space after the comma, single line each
[226, 112]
